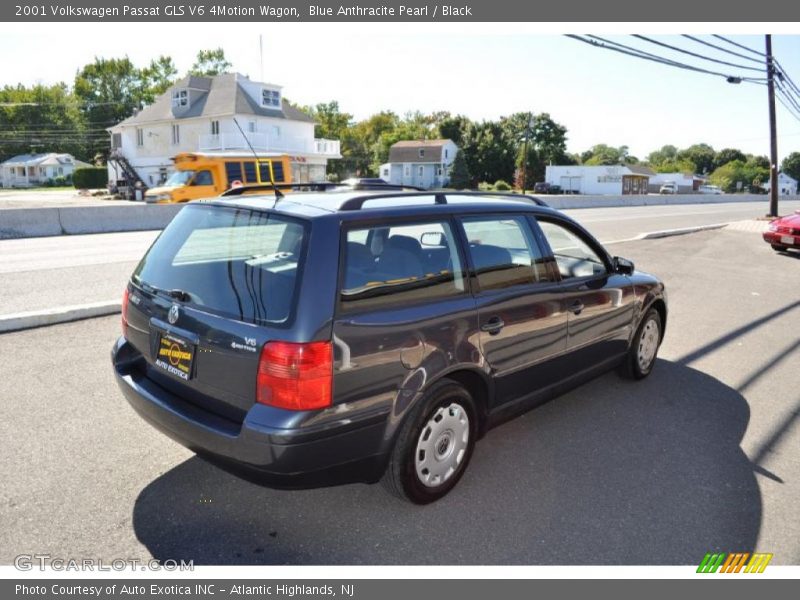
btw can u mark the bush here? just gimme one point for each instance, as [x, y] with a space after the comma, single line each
[501, 186]
[485, 187]
[90, 177]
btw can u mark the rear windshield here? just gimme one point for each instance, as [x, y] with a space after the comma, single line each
[235, 262]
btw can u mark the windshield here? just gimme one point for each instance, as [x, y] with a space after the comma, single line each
[179, 178]
[234, 262]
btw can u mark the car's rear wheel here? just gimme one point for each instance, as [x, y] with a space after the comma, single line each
[644, 348]
[778, 247]
[434, 445]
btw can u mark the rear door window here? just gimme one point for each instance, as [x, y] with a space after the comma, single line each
[233, 262]
[504, 252]
[400, 264]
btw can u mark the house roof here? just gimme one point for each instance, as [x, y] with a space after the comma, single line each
[47, 158]
[408, 151]
[640, 170]
[218, 95]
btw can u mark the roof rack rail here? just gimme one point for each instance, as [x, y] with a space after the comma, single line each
[438, 197]
[315, 186]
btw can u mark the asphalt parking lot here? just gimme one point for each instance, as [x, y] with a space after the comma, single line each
[701, 456]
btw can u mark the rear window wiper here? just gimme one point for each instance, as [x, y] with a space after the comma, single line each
[176, 293]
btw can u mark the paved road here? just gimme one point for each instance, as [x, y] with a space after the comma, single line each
[701, 456]
[40, 273]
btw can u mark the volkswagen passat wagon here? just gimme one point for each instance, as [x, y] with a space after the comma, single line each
[336, 337]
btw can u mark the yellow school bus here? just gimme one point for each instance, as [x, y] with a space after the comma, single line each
[208, 174]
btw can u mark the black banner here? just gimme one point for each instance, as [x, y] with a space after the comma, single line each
[578, 11]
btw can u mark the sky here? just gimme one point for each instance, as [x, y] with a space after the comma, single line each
[483, 71]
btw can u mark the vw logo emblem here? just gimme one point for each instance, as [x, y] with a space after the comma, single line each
[174, 312]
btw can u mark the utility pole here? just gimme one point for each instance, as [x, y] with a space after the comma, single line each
[525, 153]
[773, 133]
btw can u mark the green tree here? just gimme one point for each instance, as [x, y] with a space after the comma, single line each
[490, 152]
[453, 128]
[749, 173]
[664, 154]
[702, 156]
[727, 155]
[791, 165]
[108, 90]
[43, 119]
[602, 154]
[158, 77]
[459, 172]
[210, 63]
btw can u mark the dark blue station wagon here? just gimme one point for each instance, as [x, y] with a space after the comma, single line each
[335, 337]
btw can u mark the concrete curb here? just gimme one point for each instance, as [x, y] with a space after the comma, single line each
[680, 231]
[53, 316]
[652, 235]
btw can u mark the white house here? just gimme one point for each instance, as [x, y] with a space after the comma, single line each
[787, 186]
[423, 163]
[687, 182]
[197, 115]
[27, 170]
[600, 179]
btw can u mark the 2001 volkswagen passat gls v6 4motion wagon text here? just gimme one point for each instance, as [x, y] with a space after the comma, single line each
[332, 337]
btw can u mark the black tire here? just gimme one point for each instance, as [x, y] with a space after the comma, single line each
[633, 368]
[778, 248]
[401, 478]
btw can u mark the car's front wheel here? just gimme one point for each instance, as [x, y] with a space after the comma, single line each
[644, 348]
[434, 445]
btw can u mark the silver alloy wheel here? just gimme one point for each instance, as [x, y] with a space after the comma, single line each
[648, 344]
[442, 445]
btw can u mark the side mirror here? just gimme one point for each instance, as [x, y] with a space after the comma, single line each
[623, 265]
[433, 238]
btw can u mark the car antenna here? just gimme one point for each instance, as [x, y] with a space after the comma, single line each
[278, 194]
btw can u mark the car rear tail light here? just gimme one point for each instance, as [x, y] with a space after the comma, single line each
[295, 376]
[125, 312]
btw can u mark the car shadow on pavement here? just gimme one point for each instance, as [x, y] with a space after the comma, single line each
[615, 472]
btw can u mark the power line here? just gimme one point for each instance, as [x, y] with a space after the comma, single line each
[700, 56]
[738, 45]
[721, 49]
[605, 44]
[789, 104]
[783, 75]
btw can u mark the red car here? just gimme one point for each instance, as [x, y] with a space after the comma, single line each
[784, 232]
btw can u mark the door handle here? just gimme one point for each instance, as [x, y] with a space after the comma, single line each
[576, 307]
[493, 326]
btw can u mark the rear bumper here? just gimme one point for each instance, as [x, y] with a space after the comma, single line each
[773, 237]
[261, 448]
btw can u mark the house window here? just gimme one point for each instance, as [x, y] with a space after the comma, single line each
[140, 137]
[180, 98]
[214, 127]
[60, 170]
[439, 171]
[445, 152]
[116, 140]
[276, 131]
[421, 171]
[251, 126]
[270, 98]
[422, 153]
[176, 135]
[408, 171]
[386, 172]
